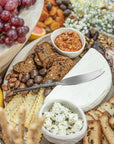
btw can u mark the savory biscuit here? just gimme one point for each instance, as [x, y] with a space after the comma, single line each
[107, 130]
[111, 121]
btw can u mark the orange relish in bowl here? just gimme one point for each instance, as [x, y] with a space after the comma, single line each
[68, 41]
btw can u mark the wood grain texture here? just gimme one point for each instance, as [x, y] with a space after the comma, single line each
[31, 16]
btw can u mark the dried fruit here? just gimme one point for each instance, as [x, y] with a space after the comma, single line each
[60, 13]
[60, 20]
[44, 15]
[41, 24]
[48, 21]
[55, 25]
[53, 11]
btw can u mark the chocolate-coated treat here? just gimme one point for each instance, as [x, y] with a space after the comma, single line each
[30, 82]
[70, 6]
[63, 7]
[38, 79]
[66, 12]
[58, 2]
[34, 73]
[66, 2]
[43, 72]
[47, 91]
[35, 90]
[48, 6]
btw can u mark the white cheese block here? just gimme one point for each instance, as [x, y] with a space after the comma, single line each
[89, 94]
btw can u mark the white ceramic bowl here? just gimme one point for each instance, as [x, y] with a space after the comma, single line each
[65, 53]
[68, 139]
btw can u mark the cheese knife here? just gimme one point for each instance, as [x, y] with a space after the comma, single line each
[74, 80]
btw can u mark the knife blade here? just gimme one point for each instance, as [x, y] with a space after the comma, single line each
[74, 80]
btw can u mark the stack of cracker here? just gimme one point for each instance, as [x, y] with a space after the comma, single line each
[101, 124]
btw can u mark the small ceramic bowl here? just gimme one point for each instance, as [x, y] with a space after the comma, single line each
[65, 53]
[68, 139]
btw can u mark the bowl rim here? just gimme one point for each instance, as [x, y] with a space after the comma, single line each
[66, 137]
[68, 28]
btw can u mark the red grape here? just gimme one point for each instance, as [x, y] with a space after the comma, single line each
[1, 26]
[26, 28]
[3, 2]
[2, 39]
[7, 26]
[15, 21]
[33, 2]
[21, 22]
[10, 5]
[19, 2]
[1, 9]
[27, 3]
[21, 39]
[5, 15]
[21, 31]
[12, 34]
[11, 26]
[8, 41]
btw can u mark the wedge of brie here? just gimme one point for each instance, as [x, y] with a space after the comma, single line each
[90, 94]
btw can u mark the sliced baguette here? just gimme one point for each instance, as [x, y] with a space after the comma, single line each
[104, 140]
[111, 121]
[89, 117]
[107, 130]
[95, 113]
[107, 106]
[93, 134]
[112, 100]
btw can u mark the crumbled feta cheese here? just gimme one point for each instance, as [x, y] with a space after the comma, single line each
[60, 120]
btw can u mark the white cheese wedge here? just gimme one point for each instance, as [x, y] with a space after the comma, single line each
[89, 94]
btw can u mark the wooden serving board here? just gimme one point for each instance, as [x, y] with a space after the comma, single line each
[31, 16]
[27, 51]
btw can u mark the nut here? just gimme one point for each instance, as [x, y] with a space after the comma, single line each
[11, 85]
[9, 94]
[8, 99]
[13, 80]
[8, 76]
[91, 41]
[4, 87]
[14, 75]
[24, 93]
[17, 83]
[22, 85]
[20, 76]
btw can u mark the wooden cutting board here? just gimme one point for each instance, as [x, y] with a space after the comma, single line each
[31, 16]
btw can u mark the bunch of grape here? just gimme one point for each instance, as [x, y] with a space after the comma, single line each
[12, 27]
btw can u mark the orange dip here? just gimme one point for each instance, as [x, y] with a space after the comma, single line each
[68, 41]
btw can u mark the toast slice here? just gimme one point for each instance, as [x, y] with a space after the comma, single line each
[93, 134]
[107, 130]
[107, 106]
[95, 113]
[111, 121]
[89, 117]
